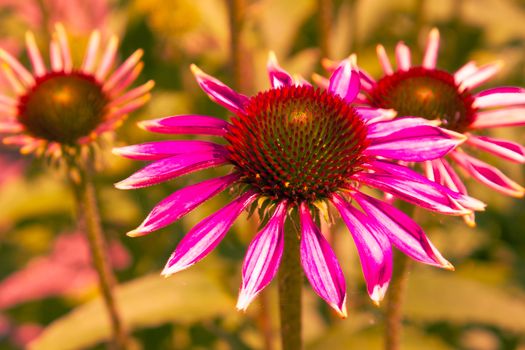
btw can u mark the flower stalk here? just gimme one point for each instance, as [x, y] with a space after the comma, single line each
[395, 301]
[290, 286]
[89, 220]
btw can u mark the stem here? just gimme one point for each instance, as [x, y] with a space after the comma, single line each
[290, 285]
[325, 26]
[90, 220]
[395, 300]
[236, 9]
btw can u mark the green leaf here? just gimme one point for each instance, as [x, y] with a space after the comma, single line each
[149, 301]
[446, 296]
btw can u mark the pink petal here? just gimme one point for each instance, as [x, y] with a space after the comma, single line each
[374, 115]
[162, 149]
[205, 236]
[431, 51]
[488, 175]
[124, 69]
[403, 56]
[345, 81]
[402, 231]
[34, 55]
[321, 265]
[415, 144]
[384, 60]
[22, 73]
[500, 97]
[513, 116]
[278, 76]
[107, 59]
[501, 148]
[414, 188]
[168, 168]
[187, 124]
[367, 82]
[385, 128]
[262, 258]
[480, 76]
[220, 93]
[181, 202]
[372, 245]
[88, 64]
[467, 69]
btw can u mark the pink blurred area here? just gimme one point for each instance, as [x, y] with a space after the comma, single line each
[66, 270]
[79, 16]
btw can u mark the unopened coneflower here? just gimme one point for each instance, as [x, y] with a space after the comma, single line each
[60, 110]
[451, 100]
[296, 149]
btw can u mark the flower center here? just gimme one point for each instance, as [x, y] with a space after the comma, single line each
[297, 143]
[431, 94]
[63, 107]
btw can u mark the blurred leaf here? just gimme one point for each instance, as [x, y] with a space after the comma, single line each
[354, 334]
[39, 197]
[145, 302]
[445, 296]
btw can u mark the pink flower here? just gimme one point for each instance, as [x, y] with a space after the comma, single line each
[293, 148]
[428, 92]
[64, 107]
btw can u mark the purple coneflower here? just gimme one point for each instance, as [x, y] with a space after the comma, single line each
[299, 148]
[52, 110]
[434, 94]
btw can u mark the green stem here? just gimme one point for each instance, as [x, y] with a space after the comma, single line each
[290, 286]
[90, 221]
[395, 300]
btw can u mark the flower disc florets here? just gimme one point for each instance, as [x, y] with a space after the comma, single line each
[428, 93]
[63, 107]
[297, 143]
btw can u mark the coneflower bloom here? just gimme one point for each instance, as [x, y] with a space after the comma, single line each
[448, 98]
[63, 107]
[299, 148]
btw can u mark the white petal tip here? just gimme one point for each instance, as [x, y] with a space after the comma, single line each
[341, 311]
[196, 70]
[378, 293]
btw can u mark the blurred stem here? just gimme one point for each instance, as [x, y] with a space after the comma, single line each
[290, 286]
[236, 10]
[89, 219]
[395, 301]
[324, 8]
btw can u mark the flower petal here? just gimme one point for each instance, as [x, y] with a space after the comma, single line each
[402, 231]
[372, 245]
[480, 76]
[385, 128]
[415, 144]
[181, 202]
[431, 51]
[384, 60]
[219, 92]
[262, 258]
[374, 115]
[320, 264]
[187, 124]
[488, 175]
[403, 56]
[345, 81]
[278, 76]
[499, 117]
[162, 149]
[205, 236]
[168, 168]
[500, 97]
[501, 148]
[414, 188]
[466, 70]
